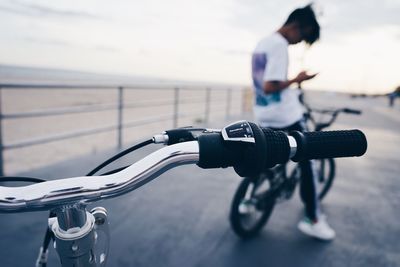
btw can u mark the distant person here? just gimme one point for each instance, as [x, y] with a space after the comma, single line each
[276, 106]
[392, 96]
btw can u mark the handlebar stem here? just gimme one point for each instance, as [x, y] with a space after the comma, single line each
[75, 245]
[72, 216]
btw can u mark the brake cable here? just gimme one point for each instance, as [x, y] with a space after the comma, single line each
[119, 155]
[21, 179]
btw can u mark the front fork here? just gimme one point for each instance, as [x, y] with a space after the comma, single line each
[81, 237]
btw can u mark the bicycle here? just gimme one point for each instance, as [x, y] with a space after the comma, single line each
[81, 237]
[256, 196]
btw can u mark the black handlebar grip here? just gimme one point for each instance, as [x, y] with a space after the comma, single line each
[329, 144]
[216, 153]
[276, 146]
[270, 148]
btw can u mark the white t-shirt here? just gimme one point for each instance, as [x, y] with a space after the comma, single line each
[270, 63]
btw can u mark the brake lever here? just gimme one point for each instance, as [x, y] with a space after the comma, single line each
[180, 135]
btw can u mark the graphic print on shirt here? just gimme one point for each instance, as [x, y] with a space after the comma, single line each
[259, 63]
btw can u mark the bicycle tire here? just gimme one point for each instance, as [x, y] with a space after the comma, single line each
[236, 218]
[327, 178]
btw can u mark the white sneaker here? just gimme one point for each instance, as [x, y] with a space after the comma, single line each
[320, 229]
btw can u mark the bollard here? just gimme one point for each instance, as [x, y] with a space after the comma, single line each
[207, 110]
[1, 139]
[120, 116]
[228, 103]
[176, 107]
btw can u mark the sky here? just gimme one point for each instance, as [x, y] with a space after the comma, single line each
[203, 40]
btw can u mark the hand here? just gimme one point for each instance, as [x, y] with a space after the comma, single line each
[303, 76]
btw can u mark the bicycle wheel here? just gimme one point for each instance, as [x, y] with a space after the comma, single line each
[248, 215]
[325, 172]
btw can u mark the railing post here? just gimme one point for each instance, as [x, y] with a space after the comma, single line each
[1, 138]
[244, 100]
[176, 107]
[228, 103]
[120, 116]
[207, 109]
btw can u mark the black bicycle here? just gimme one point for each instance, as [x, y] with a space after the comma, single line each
[256, 196]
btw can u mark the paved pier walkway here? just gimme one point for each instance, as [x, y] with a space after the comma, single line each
[181, 219]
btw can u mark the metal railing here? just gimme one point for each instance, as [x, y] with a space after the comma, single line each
[120, 106]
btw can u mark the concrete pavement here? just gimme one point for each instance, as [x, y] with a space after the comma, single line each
[181, 219]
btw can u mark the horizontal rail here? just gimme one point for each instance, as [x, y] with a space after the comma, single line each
[96, 108]
[48, 139]
[146, 86]
[69, 135]
[130, 124]
[60, 111]
[81, 109]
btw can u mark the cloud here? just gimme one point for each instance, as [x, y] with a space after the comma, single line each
[105, 48]
[337, 17]
[36, 10]
[360, 15]
[61, 43]
[260, 16]
[236, 52]
[47, 41]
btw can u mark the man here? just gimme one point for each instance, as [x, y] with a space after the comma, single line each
[392, 96]
[276, 106]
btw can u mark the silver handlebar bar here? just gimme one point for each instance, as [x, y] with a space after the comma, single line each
[51, 194]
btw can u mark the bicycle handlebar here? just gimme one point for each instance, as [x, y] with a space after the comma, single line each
[243, 145]
[333, 115]
[88, 189]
